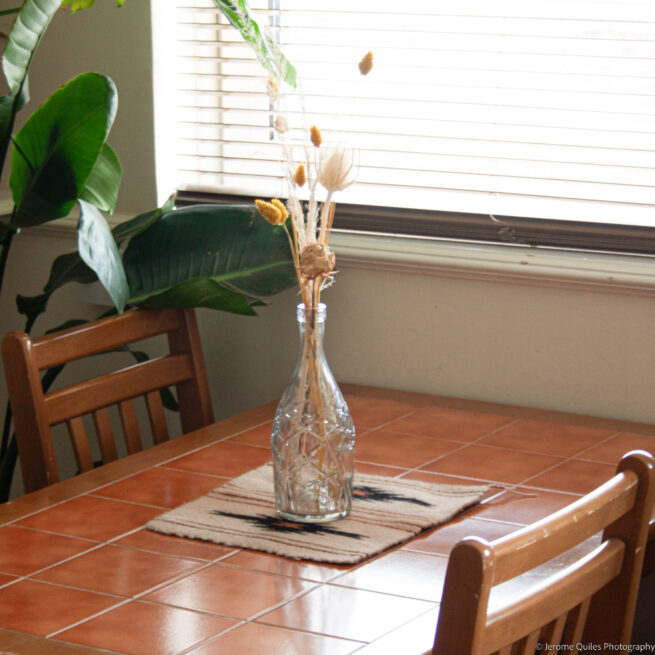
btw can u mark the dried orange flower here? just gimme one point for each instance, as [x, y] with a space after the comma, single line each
[316, 259]
[271, 211]
[281, 207]
[366, 64]
[281, 124]
[272, 88]
[315, 136]
[300, 177]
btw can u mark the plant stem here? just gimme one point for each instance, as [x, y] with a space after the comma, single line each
[6, 431]
[4, 254]
[7, 468]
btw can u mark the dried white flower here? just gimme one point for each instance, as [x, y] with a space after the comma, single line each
[281, 124]
[336, 169]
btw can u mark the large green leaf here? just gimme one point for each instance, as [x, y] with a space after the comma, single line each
[104, 181]
[26, 32]
[206, 256]
[128, 229]
[268, 52]
[71, 268]
[58, 146]
[99, 251]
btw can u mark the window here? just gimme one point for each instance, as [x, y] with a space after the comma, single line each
[529, 121]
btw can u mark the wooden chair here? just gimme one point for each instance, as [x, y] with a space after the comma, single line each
[557, 582]
[35, 412]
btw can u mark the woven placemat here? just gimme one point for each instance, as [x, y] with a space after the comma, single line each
[385, 512]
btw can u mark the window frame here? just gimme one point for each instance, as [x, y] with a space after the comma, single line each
[474, 228]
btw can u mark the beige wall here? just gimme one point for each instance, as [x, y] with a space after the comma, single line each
[576, 349]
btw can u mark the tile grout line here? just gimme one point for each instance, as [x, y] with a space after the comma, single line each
[124, 601]
[463, 445]
[568, 459]
[386, 634]
[210, 640]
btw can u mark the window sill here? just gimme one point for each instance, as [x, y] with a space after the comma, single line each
[592, 271]
[603, 272]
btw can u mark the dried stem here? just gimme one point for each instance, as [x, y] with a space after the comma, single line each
[325, 218]
[333, 207]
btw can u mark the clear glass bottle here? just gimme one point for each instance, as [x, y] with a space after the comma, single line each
[313, 438]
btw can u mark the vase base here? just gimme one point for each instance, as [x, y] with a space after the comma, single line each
[312, 518]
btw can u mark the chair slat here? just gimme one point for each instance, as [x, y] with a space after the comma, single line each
[99, 336]
[528, 645]
[157, 417]
[130, 426]
[576, 622]
[80, 444]
[553, 632]
[114, 387]
[564, 528]
[105, 434]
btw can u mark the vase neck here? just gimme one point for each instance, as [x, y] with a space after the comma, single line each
[311, 315]
[311, 325]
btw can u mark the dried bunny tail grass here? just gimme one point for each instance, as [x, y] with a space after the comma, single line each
[336, 169]
[315, 136]
[366, 64]
[271, 212]
[281, 125]
[300, 177]
[281, 207]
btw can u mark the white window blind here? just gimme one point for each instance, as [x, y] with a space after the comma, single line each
[535, 108]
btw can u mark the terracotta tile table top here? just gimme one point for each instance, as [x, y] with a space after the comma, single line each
[79, 574]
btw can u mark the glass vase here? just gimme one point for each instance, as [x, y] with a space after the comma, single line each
[313, 438]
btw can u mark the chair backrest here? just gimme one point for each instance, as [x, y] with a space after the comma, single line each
[557, 582]
[34, 412]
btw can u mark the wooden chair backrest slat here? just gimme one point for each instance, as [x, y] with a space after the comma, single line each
[157, 417]
[527, 548]
[105, 434]
[528, 645]
[35, 412]
[80, 444]
[99, 336]
[130, 426]
[554, 631]
[570, 578]
[577, 619]
[111, 389]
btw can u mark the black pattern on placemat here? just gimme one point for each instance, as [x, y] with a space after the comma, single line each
[365, 492]
[277, 524]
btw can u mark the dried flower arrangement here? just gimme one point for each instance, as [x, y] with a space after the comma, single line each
[313, 437]
[333, 169]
